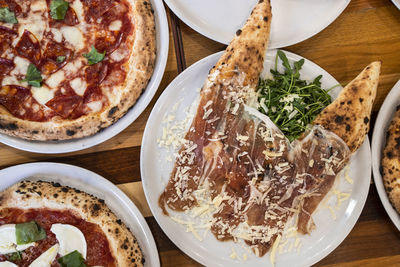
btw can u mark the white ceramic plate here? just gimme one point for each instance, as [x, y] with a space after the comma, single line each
[94, 184]
[51, 147]
[293, 20]
[378, 142]
[396, 3]
[155, 169]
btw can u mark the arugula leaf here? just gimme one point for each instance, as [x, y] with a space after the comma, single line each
[73, 259]
[7, 16]
[33, 76]
[16, 256]
[297, 66]
[285, 61]
[29, 232]
[60, 59]
[58, 9]
[290, 102]
[94, 56]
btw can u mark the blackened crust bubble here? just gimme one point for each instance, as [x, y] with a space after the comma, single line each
[397, 142]
[56, 184]
[339, 119]
[70, 132]
[8, 126]
[112, 111]
[64, 189]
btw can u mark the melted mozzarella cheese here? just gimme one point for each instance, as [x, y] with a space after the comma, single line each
[73, 36]
[7, 264]
[9, 80]
[79, 86]
[36, 21]
[42, 94]
[57, 35]
[47, 258]
[73, 67]
[21, 66]
[38, 6]
[95, 106]
[8, 240]
[78, 7]
[54, 80]
[115, 25]
[70, 239]
[119, 54]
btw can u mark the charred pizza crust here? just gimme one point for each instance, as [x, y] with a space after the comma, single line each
[140, 69]
[391, 161]
[349, 115]
[35, 195]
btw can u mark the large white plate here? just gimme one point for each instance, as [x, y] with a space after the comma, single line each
[378, 142]
[94, 184]
[155, 169]
[53, 147]
[293, 20]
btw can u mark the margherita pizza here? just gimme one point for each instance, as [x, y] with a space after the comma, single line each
[45, 224]
[69, 68]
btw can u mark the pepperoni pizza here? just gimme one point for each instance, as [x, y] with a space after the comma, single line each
[69, 68]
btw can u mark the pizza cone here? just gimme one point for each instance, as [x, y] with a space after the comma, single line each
[348, 117]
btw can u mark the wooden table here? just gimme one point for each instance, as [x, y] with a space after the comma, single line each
[367, 30]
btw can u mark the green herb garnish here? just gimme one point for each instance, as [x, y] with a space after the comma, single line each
[29, 232]
[58, 9]
[7, 16]
[94, 56]
[73, 259]
[290, 102]
[16, 256]
[60, 59]
[33, 76]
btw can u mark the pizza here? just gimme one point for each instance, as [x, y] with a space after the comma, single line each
[46, 224]
[69, 68]
[391, 161]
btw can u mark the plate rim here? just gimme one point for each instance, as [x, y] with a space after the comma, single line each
[196, 256]
[396, 3]
[121, 198]
[378, 141]
[187, 20]
[67, 146]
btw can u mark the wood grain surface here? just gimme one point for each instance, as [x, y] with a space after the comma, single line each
[367, 30]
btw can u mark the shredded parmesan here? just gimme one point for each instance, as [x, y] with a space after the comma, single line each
[273, 250]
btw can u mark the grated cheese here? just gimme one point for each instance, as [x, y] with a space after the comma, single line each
[346, 175]
[233, 254]
[273, 250]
